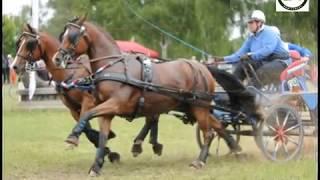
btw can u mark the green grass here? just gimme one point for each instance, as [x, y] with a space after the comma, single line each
[34, 148]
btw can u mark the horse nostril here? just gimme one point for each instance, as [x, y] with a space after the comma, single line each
[15, 67]
[57, 59]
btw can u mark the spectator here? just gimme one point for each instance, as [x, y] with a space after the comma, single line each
[5, 69]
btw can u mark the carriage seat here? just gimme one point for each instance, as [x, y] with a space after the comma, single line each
[296, 68]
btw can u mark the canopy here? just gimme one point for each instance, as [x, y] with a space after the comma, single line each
[130, 46]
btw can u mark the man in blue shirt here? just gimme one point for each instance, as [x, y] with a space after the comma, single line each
[263, 49]
[304, 52]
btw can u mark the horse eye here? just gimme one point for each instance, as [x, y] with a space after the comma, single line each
[82, 29]
[32, 44]
[73, 37]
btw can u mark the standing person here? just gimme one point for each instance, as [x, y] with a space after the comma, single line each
[263, 49]
[12, 73]
[5, 69]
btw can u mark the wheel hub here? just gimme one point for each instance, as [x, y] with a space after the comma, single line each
[280, 135]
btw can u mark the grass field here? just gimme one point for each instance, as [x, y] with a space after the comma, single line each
[34, 148]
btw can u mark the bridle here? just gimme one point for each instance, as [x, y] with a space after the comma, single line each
[68, 54]
[31, 65]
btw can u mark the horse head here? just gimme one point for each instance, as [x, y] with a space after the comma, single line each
[75, 40]
[28, 49]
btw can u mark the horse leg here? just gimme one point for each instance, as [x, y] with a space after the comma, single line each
[156, 147]
[230, 141]
[151, 124]
[107, 108]
[105, 126]
[205, 122]
[137, 143]
[202, 116]
[93, 135]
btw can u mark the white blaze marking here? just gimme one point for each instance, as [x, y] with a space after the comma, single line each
[16, 58]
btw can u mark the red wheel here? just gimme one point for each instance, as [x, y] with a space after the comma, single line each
[280, 135]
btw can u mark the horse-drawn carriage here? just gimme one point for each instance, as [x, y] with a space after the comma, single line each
[130, 85]
[290, 109]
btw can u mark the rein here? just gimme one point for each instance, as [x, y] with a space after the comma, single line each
[105, 57]
[85, 83]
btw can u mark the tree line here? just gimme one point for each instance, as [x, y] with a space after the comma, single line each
[206, 24]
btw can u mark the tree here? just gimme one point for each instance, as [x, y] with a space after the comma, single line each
[64, 11]
[9, 29]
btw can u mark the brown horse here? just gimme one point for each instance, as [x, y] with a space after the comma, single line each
[120, 97]
[33, 46]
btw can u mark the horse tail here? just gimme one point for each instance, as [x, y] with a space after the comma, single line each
[240, 97]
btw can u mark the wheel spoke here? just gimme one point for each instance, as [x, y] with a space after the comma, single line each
[274, 137]
[277, 118]
[293, 141]
[267, 142]
[275, 150]
[292, 127]
[286, 119]
[285, 148]
[272, 128]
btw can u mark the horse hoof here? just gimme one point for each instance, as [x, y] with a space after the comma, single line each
[157, 149]
[92, 173]
[70, 147]
[197, 164]
[136, 150]
[241, 156]
[114, 157]
[73, 140]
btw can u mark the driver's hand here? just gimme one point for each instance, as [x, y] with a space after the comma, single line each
[305, 58]
[245, 57]
[217, 58]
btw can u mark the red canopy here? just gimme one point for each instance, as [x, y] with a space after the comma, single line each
[130, 46]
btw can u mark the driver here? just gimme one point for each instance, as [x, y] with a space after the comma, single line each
[263, 49]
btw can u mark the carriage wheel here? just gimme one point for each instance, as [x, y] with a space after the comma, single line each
[280, 135]
[221, 146]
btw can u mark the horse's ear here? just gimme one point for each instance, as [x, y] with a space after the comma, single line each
[26, 27]
[83, 18]
[30, 29]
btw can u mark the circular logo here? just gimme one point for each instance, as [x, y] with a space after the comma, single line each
[292, 4]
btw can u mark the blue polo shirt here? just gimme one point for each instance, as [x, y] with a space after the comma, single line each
[261, 45]
[304, 52]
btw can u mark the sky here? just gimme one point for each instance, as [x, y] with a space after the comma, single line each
[14, 7]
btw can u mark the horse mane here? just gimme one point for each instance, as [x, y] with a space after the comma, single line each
[105, 33]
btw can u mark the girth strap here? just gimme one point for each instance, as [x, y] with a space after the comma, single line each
[146, 76]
